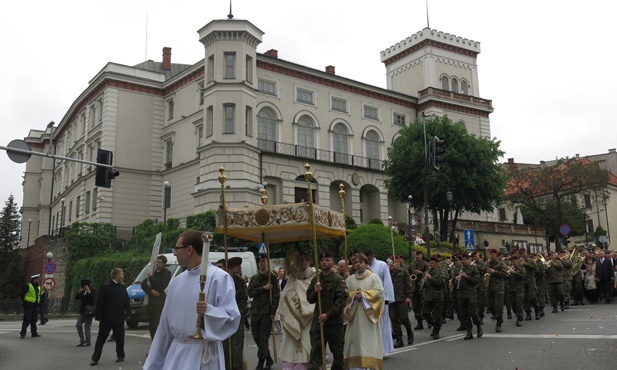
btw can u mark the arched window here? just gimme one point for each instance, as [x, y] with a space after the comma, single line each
[445, 84]
[464, 88]
[339, 143]
[455, 85]
[306, 137]
[372, 149]
[266, 129]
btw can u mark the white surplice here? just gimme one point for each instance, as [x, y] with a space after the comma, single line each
[381, 269]
[296, 316]
[172, 347]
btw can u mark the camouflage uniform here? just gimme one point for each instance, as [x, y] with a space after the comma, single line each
[541, 284]
[530, 294]
[432, 298]
[445, 290]
[516, 288]
[333, 297]
[554, 280]
[237, 340]
[495, 295]
[567, 281]
[467, 299]
[481, 290]
[416, 297]
[262, 311]
[397, 309]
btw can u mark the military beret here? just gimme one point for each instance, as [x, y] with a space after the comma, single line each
[513, 257]
[418, 253]
[499, 253]
[326, 254]
[550, 253]
[435, 259]
[234, 261]
[492, 251]
[464, 255]
[514, 250]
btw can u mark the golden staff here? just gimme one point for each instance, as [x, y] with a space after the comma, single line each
[308, 176]
[206, 238]
[222, 181]
[264, 201]
[341, 195]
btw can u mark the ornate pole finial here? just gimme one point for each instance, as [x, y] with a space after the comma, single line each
[264, 197]
[222, 177]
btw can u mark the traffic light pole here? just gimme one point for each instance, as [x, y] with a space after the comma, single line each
[41, 154]
[425, 173]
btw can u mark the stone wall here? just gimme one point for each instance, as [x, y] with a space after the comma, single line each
[33, 261]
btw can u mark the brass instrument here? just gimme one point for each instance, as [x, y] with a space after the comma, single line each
[487, 277]
[450, 266]
[451, 284]
[577, 261]
[423, 280]
[458, 279]
[547, 264]
[473, 263]
[510, 270]
[413, 279]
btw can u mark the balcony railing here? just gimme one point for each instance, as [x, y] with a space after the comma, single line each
[318, 154]
[500, 227]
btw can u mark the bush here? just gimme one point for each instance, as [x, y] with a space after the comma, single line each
[376, 238]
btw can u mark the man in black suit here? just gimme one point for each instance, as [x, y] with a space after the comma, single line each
[604, 276]
[112, 307]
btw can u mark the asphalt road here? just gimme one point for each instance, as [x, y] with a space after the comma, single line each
[583, 337]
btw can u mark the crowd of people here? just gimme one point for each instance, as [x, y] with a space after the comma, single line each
[353, 309]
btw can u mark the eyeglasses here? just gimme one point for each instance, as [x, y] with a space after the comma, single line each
[178, 248]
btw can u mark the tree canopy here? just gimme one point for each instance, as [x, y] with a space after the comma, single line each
[10, 276]
[470, 170]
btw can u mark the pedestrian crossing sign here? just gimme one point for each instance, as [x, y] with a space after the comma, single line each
[262, 248]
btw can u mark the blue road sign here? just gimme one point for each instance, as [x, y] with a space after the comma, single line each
[49, 267]
[470, 240]
[564, 230]
[262, 248]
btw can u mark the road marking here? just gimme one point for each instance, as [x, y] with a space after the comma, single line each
[415, 346]
[550, 336]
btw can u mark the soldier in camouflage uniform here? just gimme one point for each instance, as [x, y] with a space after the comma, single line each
[263, 310]
[530, 294]
[541, 284]
[402, 299]
[333, 297]
[567, 277]
[497, 269]
[236, 342]
[466, 283]
[516, 288]
[554, 280]
[417, 267]
[433, 284]
[481, 289]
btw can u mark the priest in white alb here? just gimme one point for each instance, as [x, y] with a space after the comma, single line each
[381, 269]
[363, 310]
[172, 347]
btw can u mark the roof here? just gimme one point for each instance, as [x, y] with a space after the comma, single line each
[157, 67]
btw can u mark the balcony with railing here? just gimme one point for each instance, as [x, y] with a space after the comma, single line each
[299, 151]
[500, 227]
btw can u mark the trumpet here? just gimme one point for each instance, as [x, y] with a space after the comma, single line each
[510, 270]
[450, 266]
[459, 277]
[487, 277]
[423, 280]
[473, 263]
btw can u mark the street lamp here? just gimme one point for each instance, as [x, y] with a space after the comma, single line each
[29, 224]
[49, 256]
[166, 199]
[546, 237]
[62, 212]
[449, 198]
[409, 219]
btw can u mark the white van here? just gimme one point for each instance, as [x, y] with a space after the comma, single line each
[139, 299]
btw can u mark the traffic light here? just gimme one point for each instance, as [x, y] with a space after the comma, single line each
[104, 175]
[438, 149]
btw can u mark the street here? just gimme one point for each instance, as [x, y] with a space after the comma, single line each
[582, 337]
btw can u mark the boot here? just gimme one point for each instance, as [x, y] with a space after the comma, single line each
[436, 335]
[430, 326]
[528, 317]
[410, 336]
[562, 305]
[582, 302]
[480, 331]
[542, 311]
[555, 309]
[419, 326]
[509, 315]
[537, 314]
[519, 321]
[433, 332]
[269, 363]
[461, 328]
[469, 334]
[399, 342]
[498, 326]
[260, 364]
[567, 305]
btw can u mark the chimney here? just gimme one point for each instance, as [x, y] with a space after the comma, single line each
[510, 160]
[330, 69]
[166, 58]
[272, 53]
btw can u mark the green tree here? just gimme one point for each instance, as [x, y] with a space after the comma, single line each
[470, 170]
[378, 238]
[10, 275]
[550, 191]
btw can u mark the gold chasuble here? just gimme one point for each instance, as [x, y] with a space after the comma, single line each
[363, 346]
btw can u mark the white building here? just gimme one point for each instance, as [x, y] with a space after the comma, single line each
[261, 117]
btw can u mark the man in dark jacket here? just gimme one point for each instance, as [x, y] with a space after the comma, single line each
[112, 308]
[155, 286]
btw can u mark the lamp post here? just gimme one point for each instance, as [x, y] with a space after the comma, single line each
[49, 256]
[546, 237]
[586, 230]
[409, 220]
[426, 230]
[62, 212]
[29, 224]
[166, 200]
[449, 198]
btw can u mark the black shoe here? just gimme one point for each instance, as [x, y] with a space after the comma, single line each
[461, 328]
[120, 359]
[269, 363]
[519, 322]
[561, 306]
[498, 328]
[480, 332]
[555, 309]
[537, 315]
[528, 317]
[87, 344]
[493, 318]
[399, 342]
[436, 336]
[82, 344]
[541, 311]
[36, 335]
[410, 338]
[509, 315]
[94, 363]
[419, 326]
[22, 336]
[433, 332]
[582, 303]
[260, 364]
[111, 339]
[567, 306]
[469, 335]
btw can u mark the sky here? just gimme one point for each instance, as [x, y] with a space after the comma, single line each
[546, 65]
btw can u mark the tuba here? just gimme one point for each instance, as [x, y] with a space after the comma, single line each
[577, 261]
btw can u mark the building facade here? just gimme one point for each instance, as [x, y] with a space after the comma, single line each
[260, 117]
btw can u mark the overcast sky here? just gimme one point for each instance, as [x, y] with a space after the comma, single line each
[548, 66]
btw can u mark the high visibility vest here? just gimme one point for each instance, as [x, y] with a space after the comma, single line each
[32, 295]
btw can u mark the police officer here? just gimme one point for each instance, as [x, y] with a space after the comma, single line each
[263, 310]
[31, 300]
[237, 339]
[333, 296]
[417, 268]
[402, 299]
